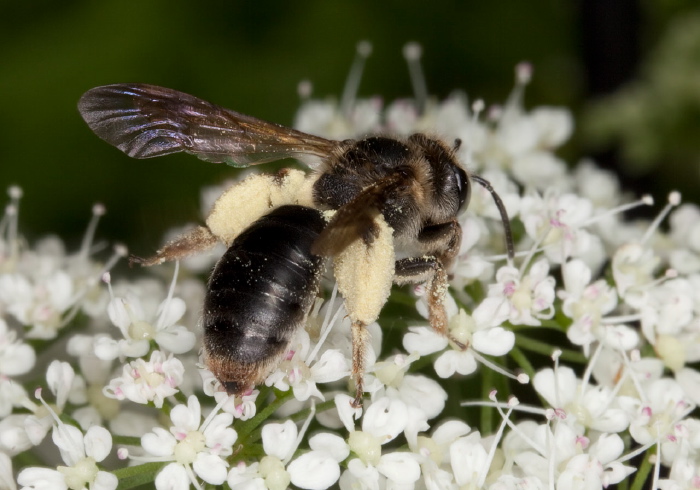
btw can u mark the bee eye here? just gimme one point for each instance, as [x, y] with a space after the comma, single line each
[463, 187]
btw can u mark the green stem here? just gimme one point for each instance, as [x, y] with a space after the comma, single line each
[522, 361]
[643, 472]
[133, 476]
[126, 440]
[249, 426]
[547, 349]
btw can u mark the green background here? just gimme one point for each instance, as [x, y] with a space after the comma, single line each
[248, 56]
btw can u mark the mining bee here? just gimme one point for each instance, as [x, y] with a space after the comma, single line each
[362, 203]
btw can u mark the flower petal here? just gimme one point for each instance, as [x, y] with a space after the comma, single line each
[172, 477]
[314, 470]
[210, 468]
[495, 341]
[98, 443]
[400, 467]
[279, 439]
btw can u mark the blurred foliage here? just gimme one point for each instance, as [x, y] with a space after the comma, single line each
[248, 56]
[655, 118]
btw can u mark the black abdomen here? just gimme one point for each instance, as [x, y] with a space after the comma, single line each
[262, 288]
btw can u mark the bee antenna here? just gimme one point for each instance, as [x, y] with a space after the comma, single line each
[510, 248]
[352, 84]
[412, 52]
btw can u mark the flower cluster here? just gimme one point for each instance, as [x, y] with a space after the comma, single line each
[595, 326]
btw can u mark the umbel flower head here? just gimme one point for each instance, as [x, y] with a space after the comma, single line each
[595, 325]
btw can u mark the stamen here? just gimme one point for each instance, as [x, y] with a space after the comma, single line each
[551, 456]
[520, 408]
[512, 402]
[352, 84]
[616, 320]
[644, 201]
[657, 465]
[674, 199]
[98, 210]
[515, 428]
[54, 416]
[213, 413]
[495, 367]
[555, 357]
[669, 274]
[535, 249]
[107, 279]
[523, 75]
[589, 370]
[635, 380]
[12, 212]
[477, 109]
[192, 477]
[326, 326]
[302, 432]
[412, 52]
[305, 89]
[161, 318]
[120, 252]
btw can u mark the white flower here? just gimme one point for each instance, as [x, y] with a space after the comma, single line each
[81, 455]
[148, 381]
[127, 313]
[16, 357]
[434, 453]
[521, 300]
[40, 305]
[633, 267]
[482, 337]
[383, 421]
[44, 288]
[240, 406]
[317, 469]
[587, 304]
[191, 445]
[664, 404]
[556, 222]
[301, 373]
[594, 407]
[469, 460]
[60, 378]
[670, 323]
[597, 468]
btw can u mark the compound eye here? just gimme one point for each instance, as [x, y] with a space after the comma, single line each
[463, 187]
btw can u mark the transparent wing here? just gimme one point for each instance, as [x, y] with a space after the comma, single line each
[147, 121]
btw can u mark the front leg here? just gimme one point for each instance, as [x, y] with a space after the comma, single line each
[414, 270]
[441, 240]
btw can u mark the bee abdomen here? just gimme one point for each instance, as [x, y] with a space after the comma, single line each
[259, 293]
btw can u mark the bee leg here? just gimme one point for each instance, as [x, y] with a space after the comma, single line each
[360, 338]
[445, 237]
[191, 242]
[414, 270]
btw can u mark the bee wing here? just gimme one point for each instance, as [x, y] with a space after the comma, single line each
[147, 121]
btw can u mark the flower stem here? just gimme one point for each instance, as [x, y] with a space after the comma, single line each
[245, 429]
[134, 476]
[547, 349]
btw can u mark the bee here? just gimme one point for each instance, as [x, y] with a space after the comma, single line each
[384, 209]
